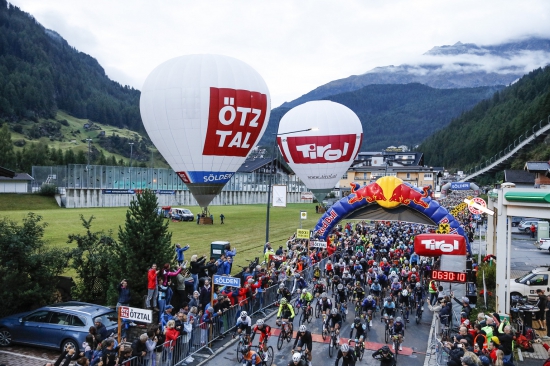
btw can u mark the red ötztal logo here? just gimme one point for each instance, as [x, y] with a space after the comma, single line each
[235, 120]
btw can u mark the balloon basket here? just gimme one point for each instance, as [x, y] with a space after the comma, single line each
[321, 210]
[206, 221]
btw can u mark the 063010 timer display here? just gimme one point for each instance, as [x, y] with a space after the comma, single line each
[448, 276]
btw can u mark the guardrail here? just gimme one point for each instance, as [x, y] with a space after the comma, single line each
[541, 128]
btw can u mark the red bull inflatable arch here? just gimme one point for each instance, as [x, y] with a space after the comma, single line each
[389, 198]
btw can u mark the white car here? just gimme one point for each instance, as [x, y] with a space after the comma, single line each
[527, 285]
[543, 244]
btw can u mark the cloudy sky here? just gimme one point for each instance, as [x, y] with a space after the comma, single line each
[296, 45]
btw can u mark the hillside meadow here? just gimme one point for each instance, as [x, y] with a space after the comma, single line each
[244, 224]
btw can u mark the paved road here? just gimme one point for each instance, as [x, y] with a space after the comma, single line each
[415, 337]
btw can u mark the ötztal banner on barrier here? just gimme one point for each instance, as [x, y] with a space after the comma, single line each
[136, 314]
[434, 245]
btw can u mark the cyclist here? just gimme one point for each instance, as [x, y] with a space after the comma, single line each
[284, 292]
[250, 357]
[358, 292]
[389, 307]
[300, 283]
[398, 329]
[305, 298]
[335, 282]
[360, 330]
[376, 289]
[303, 339]
[342, 296]
[329, 270]
[326, 304]
[286, 313]
[244, 323]
[297, 360]
[316, 273]
[418, 293]
[319, 288]
[395, 287]
[404, 301]
[347, 354]
[369, 306]
[385, 356]
[413, 277]
[265, 333]
[334, 323]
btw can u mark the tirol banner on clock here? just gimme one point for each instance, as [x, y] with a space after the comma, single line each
[434, 245]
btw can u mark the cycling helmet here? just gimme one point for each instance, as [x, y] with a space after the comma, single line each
[284, 301]
[303, 328]
[305, 291]
[297, 275]
[340, 287]
[418, 285]
[344, 348]
[324, 294]
[405, 293]
[384, 260]
[389, 299]
[375, 281]
[385, 349]
[357, 320]
[296, 357]
[336, 265]
[395, 280]
[260, 322]
[406, 262]
[282, 285]
[334, 311]
[414, 270]
[244, 314]
[398, 319]
[370, 270]
[369, 298]
[244, 349]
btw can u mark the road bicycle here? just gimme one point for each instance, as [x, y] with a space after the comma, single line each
[318, 308]
[307, 314]
[333, 343]
[244, 339]
[396, 343]
[387, 328]
[419, 311]
[265, 361]
[285, 333]
[359, 348]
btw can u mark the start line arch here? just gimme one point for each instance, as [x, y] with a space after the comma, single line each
[389, 198]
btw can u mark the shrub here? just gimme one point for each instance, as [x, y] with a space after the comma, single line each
[49, 190]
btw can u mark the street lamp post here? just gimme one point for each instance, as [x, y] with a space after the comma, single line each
[88, 165]
[271, 176]
[131, 151]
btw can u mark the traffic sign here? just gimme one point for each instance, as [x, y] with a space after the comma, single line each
[226, 281]
[303, 215]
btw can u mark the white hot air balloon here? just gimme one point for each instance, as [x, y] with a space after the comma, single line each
[323, 154]
[204, 113]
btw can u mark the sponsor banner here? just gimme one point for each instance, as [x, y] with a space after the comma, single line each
[118, 191]
[434, 245]
[306, 195]
[235, 120]
[279, 196]
[480, 201]
[278, 258]
[165, 191]
[136, 314]
[318, 244]
[205, 177]
[302, 234]
[226, 281]
[460, 186]
[319, 149]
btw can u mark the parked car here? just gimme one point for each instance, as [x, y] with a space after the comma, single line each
[543, 244]
[525, 225]
[516, 220]
[528, 284]
[181, 214]
[56, 326]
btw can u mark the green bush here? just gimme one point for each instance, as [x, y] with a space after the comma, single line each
[49, 190]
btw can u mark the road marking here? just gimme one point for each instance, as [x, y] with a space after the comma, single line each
[529, 250]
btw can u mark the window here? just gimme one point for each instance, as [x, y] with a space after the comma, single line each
[428, 176]
[364, 175]
[38, 317]
[59, 318]
[77, 322]
[345, 176]
[408, 175]
[539, 280]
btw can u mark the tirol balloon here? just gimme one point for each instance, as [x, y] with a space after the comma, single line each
[204, 113]
[323, 154]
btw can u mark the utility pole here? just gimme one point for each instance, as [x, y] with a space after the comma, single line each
[131, 151]
[88, 165]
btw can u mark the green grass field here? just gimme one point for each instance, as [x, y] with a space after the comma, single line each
[244, 224]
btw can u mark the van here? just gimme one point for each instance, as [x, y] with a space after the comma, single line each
[528, 284]
[181, 214]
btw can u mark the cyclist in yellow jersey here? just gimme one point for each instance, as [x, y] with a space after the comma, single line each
[286, 313]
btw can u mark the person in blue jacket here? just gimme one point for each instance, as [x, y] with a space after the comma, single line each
[227, 266]
[179, 253]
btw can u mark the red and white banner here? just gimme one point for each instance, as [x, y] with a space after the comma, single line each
[319, 149]
[434, 245]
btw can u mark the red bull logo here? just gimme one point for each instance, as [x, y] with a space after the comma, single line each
[405, 194]
[370, 193]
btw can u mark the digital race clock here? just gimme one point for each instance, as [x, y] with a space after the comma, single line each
[448, 276]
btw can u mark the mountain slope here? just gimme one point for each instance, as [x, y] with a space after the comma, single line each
[457, 66]
[398, 114]
[41, 73]
[492, 124]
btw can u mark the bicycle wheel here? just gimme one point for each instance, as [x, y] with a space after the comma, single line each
[331, 347]
[386, 335]
[303, 317]
[418, 315]
[270, 356]
[317, 311]
[280, 340]
[396, 347]
[362, 351]
[324, 334]
[289, 336]
[309, 315]
[239, 354]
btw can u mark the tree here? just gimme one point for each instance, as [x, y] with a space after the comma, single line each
[7, 154]
[144, 240]
[29, 269]
[91, 259]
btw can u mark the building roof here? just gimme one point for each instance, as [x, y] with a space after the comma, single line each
[255, 164]
[519, 176]
[537, 166]
[18, 176]
[6, 173]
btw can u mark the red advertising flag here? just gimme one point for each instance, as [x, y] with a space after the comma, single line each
[434, 245]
